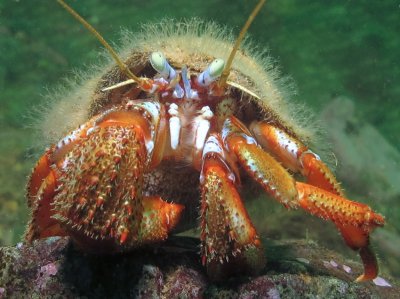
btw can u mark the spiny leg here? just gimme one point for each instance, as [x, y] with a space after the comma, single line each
[229, 239]
[355, 221]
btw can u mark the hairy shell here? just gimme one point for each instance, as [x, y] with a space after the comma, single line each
[194, 43]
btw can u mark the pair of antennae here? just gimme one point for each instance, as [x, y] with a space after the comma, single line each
[125, 69]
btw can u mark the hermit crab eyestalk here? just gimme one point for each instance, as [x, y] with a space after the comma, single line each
[161, 65]
[212, 72]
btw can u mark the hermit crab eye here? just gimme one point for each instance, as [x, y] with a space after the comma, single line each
[161, 65]
[213, 71]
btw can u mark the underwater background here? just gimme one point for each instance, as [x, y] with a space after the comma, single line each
[342, 55]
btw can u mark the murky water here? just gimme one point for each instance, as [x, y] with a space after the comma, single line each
[342, 50]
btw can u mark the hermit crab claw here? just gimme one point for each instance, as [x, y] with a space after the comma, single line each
[109, 154]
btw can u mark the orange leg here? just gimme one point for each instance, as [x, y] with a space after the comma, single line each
[39, 174]
[261, 166]
[40, 195]
[295, 156]
[89, 185]
[229, 239]
[321, 197]
[354, 220]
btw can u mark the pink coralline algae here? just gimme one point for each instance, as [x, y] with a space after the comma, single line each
[53, 268]
[45, 273]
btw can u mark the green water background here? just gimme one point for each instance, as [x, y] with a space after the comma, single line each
[335, 48]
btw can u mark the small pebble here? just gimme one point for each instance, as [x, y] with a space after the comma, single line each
[346, 268]
[333, 263]
[379, 281]
[303, 260]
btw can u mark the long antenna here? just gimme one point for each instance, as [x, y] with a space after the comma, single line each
[227, 69]
[89, 27]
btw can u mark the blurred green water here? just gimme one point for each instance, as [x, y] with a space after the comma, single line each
[330, 49]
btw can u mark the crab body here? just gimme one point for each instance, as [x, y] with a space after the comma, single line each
[143, 157]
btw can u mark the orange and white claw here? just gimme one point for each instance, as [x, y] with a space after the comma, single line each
[109, 155]
[354, 220]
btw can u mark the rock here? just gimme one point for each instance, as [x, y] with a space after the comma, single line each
[53, 268]
[365, 157]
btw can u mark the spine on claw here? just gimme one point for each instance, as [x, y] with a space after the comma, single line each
[89, 185]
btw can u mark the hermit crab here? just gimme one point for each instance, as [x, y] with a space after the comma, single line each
[173, 125]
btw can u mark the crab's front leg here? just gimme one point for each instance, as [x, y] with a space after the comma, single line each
[89, 185]
[322, 196]
[229, 239]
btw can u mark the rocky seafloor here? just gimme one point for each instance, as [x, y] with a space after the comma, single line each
[53, 268]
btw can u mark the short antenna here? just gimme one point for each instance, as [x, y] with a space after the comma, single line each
[89, 27]
[227, 69]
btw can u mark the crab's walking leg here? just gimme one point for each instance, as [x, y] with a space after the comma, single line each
[89, 185]
[261, 166]
[355, 221]
[295, 156]
[229, 240]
